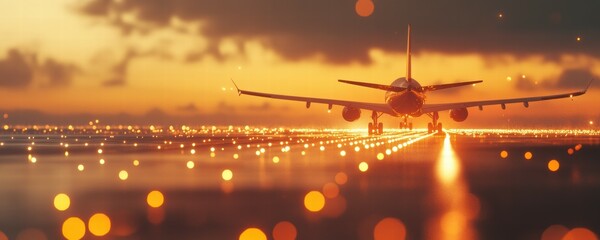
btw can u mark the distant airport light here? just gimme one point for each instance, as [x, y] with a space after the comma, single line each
[123, 175]
[227, 174]
[155, 199]
[342, 153]
[380, 156]
[591, 122]
[314, 201]
[62, 202]
[528, 155]
[579, 39]
[253, 234]
[80, 167]
[276, 159]
[136, 162]
[363, 166]
[99, 224]
[101, 161]
[500, 15]
[190, 164]
[73, 228]
[553, 165]
[504, 154]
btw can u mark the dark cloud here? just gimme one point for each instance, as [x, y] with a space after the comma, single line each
[119, 70]
[20, 70]
[190, 107]
[15, 71]
[297, 29]
[569, 79]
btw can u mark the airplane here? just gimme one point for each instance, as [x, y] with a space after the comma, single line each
[405, 97]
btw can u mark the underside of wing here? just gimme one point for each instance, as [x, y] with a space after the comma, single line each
[449, 85]
[377, 107]
[428, 108]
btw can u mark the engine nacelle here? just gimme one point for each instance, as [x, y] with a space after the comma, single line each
[351, 114]
[459, 114]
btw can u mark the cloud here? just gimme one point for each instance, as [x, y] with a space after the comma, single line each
[20, 70]
[119, 70]
[190, 107]
[299, 29]
[569, 79]
[15, 71]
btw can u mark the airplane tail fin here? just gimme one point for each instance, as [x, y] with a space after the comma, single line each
[408, 65]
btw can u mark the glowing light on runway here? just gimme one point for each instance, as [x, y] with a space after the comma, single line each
[62, 202]
[123, 175]
[380, 156]
[99, 224]
[342, 153]
[227, 175]
[136, 162]
[80, 167]
[73, 228]
[190, 164]
[389, 229]
[553, 165]
[363, 166]
[314, 201]
[448, 167]
[276, 159]
[284, 230]
[528, 155]
[155, 199]
[253, 234]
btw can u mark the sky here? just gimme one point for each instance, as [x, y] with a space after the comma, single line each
[172, 61]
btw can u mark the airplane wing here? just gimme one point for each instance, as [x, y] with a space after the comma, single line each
[378, 107]
[428, 108]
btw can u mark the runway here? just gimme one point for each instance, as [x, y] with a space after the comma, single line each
[130, 182]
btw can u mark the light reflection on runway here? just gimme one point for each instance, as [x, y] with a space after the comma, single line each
[211, 182]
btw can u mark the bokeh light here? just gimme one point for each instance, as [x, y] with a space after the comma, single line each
[190, 164]
[341, 178]
[554, 232]
[3, 236]
[504, 154]
[364, 8]
[553, 165]
[580, 234]
[363, 166]
[62, 202]
[99, 224]
[314, 201]
[331, 190]
[155, 199]
[380, 156]
[227, 174]
[73, 228]
[284, 230]
[123, 175]
[389, 229]
[528, 155]
[253, 234]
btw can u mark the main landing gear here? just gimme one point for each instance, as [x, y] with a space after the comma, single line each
[434, 125]
[375, 127]
[404, 124]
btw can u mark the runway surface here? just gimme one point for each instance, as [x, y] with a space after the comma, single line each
[126, 182]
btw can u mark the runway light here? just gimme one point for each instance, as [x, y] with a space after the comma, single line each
[314, 201]
[136, 162]
[236, 156]
[227, 174]
[578, 39]
[342, 153]
[80, 167]
[284, 230]
[123, 175]
[101, 161]
[504, 154]
[528, 155]
[62, 202]
[155, 199]
[363, 166]
[380, 156]
[190, 164]
[99, 224]
[73, 228]
[276, 159]
[99, 151]
[389, 228]
[253, 234]
[553, 165]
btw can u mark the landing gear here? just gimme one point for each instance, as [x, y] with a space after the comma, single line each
[375, 127]
[405, 124]
[434, 126]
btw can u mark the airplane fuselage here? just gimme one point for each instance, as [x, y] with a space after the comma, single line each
[409, 101]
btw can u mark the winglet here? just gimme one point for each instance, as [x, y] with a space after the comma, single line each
[588, 85]
[237, 88]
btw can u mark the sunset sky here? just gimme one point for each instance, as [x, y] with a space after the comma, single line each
[161, 61]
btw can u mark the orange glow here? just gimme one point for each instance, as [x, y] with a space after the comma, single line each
[380, 156]
[554, 232]
[341, 178]
[284, 230]
[3, 236]
[314, 201]
[99, 224]
[447, 167]
[73, 228]
[331, 190]
[62, 202]
[389, 229]
[578, 147]
[253, 234]
[504, 154]
[580, 234]
[364, 8]
[190, 164]
[155, 199]
[570, 151]
[123, 175]
[553, 165]
[528, 155]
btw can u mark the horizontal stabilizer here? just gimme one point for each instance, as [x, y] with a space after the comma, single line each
[373, 85]
[448, 85]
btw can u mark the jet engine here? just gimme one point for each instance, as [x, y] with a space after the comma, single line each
[351, 114]
[459, 114]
